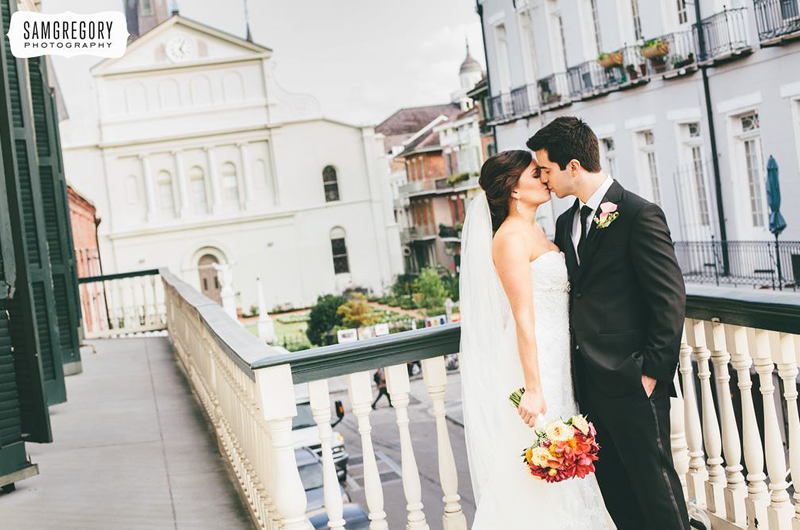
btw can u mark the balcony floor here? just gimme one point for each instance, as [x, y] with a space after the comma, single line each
[132, 450]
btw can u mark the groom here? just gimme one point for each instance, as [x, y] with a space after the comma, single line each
[627, 303]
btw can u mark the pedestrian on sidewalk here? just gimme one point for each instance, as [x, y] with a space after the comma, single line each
[380, 383]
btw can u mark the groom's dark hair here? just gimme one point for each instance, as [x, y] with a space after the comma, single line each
[568, 138]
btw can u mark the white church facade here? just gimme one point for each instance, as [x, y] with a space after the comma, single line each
[198, 159]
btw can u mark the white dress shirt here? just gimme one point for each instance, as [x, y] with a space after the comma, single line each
[594, 204]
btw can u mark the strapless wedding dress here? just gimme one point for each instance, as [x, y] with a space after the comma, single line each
[512, 499]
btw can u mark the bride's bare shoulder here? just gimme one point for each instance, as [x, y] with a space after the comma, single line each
[511, 243]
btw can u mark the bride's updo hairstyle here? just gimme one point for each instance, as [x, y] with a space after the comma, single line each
[499, 176]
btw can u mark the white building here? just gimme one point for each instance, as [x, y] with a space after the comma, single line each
[197, 157]
[652, 115]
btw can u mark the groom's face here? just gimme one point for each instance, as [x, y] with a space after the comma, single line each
[558, 180]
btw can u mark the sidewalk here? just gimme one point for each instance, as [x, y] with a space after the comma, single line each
[132, 451]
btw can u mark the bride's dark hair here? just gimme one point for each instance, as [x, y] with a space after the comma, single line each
[499, 176]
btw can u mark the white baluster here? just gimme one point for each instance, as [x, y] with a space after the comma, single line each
[715, 498]
[360, 390]
[321, 408]
[757, 498]
[735, 490]
[763, 344]
[680, 451]
[694, 438]
[787, 368]
[434, 373]
[142, 309]
[399, 387]
[277, 401]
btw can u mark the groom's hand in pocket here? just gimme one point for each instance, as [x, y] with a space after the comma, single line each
[531, 405]
[649, 384]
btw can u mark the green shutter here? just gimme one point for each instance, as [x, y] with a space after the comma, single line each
[35, 329]
[56, 212]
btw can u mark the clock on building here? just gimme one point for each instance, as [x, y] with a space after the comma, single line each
[179, 48]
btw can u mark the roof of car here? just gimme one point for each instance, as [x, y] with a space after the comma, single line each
[305, 456]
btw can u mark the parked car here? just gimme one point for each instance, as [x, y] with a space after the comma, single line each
[306, 433]
[310, 468]
[355, 518]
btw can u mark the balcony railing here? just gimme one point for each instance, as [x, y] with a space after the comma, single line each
[501, 107]
[122, 304]
[724, 428]
[777, 20]
[554, 90]
[672, 54]
[750, 262]
[417, 186]
[723, 35]
[523, 100]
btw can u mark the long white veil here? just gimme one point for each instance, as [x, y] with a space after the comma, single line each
[484, 313]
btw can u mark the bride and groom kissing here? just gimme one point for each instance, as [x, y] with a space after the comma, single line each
[588, 323]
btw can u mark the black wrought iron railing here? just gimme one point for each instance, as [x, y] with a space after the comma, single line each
[521, 103]
[776, 19]
[753, 263]
[553, 90]
[671, 52]
[722, 34]
[501, 107]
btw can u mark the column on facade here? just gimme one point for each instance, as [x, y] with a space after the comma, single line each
[149, 190]
[246, 197]
[216, 198]
[183, 193]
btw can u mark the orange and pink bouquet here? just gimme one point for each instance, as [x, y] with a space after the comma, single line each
[563, 449]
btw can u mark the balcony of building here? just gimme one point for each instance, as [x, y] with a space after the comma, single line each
[133, 435]
[778, 21]
[723, 36]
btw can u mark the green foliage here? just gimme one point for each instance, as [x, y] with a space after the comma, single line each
[431, 289]
[324, 318]
[404, 285]
[460, 177]
[357, 312]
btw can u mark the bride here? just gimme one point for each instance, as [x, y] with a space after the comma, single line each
[514, 296]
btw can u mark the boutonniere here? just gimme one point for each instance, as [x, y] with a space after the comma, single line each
[608, 213]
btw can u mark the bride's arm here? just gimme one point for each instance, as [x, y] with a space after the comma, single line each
[512, 262]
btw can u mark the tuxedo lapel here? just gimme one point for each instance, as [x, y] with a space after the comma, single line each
[569, 251]
[595, 236]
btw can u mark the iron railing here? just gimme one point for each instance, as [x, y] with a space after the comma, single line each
[521, 102]
[678, 51]
[501, 107]
[723, 34]
[750, 263]
[553, 90]
[776, 19]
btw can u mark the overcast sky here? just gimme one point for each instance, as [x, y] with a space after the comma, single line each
[362, 59]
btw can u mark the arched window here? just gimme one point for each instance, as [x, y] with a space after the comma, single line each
[197, 185]
[166, 197]
[209, 280]
[230, 183]
[339, 248]
[331, 183]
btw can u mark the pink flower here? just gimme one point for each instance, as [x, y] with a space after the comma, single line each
[608, 207]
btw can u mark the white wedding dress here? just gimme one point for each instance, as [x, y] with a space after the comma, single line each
[507, 497]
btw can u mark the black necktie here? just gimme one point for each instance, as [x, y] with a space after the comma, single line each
[586, 211]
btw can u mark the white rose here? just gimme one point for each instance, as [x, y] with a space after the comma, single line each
[581, 424]
[558, 431]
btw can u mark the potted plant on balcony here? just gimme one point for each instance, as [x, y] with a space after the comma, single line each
[683, 62]
[654, 48]
[459, 177]
[633, 73]
[550, 98]
[610, 60]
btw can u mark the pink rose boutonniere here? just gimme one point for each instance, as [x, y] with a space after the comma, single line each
[608, 213]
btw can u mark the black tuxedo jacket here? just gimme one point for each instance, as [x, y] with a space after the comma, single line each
[627, 297]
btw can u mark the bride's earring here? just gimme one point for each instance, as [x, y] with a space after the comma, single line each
[519, 206]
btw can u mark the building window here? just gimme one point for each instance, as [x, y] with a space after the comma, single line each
[700, 185]
[230, 183]
[501, 41]
[647, 144]
[166, 196]
[610, 155]
[145, 8]
[331, 183]
[595, 27]
[448, 162]
[683, 13]
[339, 250]
[528, 43]
[197, 186]
[749, 142]
[637, 20]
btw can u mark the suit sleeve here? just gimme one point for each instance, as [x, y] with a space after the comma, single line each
[557, 237]
[661, 280]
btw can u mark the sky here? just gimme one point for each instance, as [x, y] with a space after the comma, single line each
[362, 59]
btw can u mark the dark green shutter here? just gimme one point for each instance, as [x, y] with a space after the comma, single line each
[56, 212]
[35, 332]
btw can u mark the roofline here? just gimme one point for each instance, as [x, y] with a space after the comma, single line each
[171, 21]
[436, 121]
[395, 113]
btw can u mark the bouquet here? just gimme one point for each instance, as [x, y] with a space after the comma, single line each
[562, 449]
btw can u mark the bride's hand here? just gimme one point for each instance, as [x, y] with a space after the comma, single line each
[530, 406]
